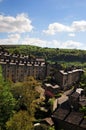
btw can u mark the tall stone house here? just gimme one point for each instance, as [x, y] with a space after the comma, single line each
[68, 78]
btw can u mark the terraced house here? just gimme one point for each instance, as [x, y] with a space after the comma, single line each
[18, 67]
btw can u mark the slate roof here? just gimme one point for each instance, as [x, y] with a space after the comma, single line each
[49, 121]
[82, 101]
[75, 95]
[75, 118]
[62, 99]
[61, 113]
[83, 123]
[71, 117]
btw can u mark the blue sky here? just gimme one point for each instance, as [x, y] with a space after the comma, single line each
[45, 23]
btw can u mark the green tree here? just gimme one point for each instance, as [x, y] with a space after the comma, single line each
[42, 127]
[1, 76]
[7, 103]
[25, 94]
[83, 80]
[51, 128]
[26, 97]
[20, 121]
[83, 109]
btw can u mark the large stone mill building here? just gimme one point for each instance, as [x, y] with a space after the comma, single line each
[18, 67]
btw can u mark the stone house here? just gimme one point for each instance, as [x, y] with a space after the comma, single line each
[68, 120]
[67, 78]
[52, 88]
[77, 100]
[74, 100]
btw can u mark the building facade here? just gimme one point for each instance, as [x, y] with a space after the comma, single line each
[17, 67]
[68, 78]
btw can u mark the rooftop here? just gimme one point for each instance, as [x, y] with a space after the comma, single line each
[70, 71]
[83, 123]
[82, 101]
[62, 99]
[75, 117]
[61, 113]
[52, 86]
[75, 95]
[49, 121]
[79, 90]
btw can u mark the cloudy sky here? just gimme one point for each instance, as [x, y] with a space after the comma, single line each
[45, 23]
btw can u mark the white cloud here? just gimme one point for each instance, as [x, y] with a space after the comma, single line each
[10, 40]
[35, 41]
[71, 34]
[41, 43]
[76, 26]
[56, 27]
[17, 39]
[53, 44]
[20, 23]
[72, 45]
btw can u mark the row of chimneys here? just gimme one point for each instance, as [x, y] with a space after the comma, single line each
[19, 61]
[17, 58]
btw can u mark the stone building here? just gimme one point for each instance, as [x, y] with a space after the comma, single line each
[67, 78]
[68, 120]
[52, 88]
[77, 99]
[17, 67]
[18, 72]
[74, 100]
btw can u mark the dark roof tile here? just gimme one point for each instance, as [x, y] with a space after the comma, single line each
[83, 123]
[75, 117]
[61, 113]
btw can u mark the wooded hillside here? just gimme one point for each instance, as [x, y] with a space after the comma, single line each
[50, 54]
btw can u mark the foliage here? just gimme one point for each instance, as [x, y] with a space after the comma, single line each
[65, 57]
[51, 101]
[83, 80]
[51, 54]
[25, 94]
[7, 104]
[58, 95]
[51, 128]
[20, 121]
[83, 109]
[1, 76]
[17, 104]
[44, 127]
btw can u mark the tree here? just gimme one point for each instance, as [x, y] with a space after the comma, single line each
[7, 103]
[26, 97]
[25, 94]
[83, 80]
[83, 109]
[42, 127]
[20, 121]
[1, 76]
